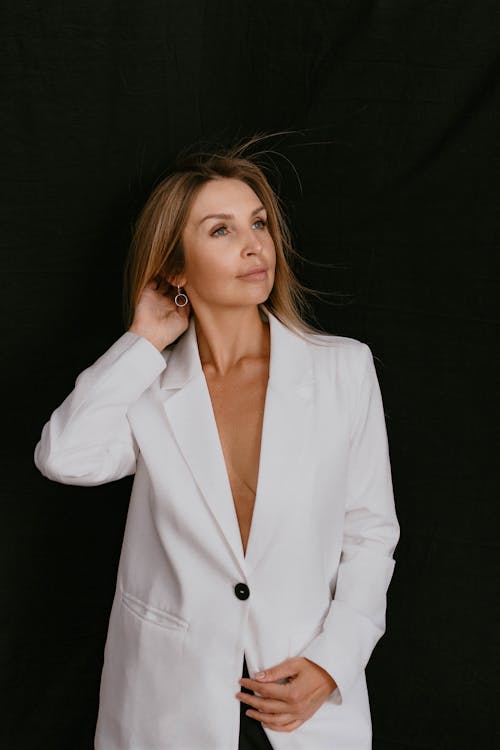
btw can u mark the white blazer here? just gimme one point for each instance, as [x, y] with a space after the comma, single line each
[319, 556]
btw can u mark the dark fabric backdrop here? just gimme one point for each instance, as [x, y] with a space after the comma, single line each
[397, 215]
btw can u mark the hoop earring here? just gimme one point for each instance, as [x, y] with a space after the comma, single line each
[180, 294]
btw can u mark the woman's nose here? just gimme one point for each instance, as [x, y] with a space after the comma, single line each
[252, 241]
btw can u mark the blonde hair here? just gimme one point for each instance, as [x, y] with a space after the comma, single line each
[156, 248]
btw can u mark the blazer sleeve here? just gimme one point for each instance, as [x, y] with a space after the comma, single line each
[88, 440]
[356, 618]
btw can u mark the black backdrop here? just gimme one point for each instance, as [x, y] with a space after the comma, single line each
[397, 105]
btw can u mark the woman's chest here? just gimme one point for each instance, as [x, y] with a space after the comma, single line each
[238, 402]
[274, 453]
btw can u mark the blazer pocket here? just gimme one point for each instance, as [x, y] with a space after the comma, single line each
[154, 615]
[303, 636]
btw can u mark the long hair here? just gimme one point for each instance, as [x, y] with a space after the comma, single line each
[156, 248]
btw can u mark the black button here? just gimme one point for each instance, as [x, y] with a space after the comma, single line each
[242, 591]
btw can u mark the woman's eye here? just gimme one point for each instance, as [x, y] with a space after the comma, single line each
[218, 230]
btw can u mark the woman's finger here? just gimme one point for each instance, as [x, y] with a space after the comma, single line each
[289, 727]
[263, 704]
[277, 719]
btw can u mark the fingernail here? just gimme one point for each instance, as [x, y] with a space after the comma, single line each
[259, 675]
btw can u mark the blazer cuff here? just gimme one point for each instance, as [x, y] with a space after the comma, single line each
[344, 646]
[140, 364]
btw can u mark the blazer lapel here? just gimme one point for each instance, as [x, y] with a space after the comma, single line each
[287, 424]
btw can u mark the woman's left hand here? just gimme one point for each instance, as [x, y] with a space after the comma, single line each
[284, 707]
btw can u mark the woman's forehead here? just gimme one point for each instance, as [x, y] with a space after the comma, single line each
[224, 195]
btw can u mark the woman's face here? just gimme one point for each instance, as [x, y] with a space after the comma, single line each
[219, 250]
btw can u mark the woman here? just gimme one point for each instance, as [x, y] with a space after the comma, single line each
[258, 549]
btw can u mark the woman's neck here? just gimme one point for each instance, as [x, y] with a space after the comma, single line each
[228, 337]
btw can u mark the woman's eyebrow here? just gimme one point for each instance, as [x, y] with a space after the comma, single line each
[229, 216]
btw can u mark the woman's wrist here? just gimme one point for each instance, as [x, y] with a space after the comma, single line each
[160, 344]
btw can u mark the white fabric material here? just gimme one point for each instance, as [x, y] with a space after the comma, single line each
[319, 558]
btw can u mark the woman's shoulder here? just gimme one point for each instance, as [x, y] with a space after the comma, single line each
[336, 354]
[335, 343]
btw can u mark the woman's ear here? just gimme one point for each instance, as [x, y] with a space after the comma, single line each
[179, 280]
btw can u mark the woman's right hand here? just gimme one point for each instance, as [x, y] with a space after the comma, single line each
[157, 317]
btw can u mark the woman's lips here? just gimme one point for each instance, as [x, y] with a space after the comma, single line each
[254, 276]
